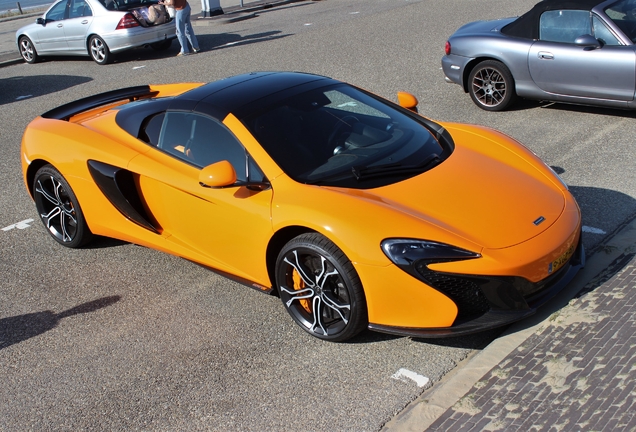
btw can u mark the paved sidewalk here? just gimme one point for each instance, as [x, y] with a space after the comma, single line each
[573, 370]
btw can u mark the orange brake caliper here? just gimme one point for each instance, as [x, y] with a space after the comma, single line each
[299, 284]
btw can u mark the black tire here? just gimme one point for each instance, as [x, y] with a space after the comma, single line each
[320, 288]
[491, 86]
[27, 50]
[161, 46]
[59, 209]
[99, 51]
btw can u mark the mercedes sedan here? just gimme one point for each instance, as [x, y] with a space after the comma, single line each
[95, 28]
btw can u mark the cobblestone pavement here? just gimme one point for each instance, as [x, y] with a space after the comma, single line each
[575, 372]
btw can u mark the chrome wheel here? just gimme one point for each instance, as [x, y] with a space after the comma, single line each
[320, 288]
[59, 209]
[27, 50]
[491, 86]
[99, 50]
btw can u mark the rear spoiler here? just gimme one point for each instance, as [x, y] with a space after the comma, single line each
[70, 109]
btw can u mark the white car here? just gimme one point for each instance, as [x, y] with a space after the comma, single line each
[98, 28]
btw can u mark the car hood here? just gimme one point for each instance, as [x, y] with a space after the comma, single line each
[491, 191]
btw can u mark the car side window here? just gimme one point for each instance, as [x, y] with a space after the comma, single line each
[79, 8]
[200, 141]
[57, 12]
[564, 25]
[602, 33]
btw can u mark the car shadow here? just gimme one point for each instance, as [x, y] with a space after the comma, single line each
[207, 43]
[526, 104]
[27, 87]
[99, 242]
[19, 328]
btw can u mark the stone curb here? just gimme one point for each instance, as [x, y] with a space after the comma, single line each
[432, 404]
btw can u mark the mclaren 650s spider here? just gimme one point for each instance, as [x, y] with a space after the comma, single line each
[356, 211]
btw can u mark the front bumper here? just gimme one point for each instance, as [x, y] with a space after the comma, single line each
[506, 303]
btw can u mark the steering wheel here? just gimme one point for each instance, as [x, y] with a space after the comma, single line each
[340, 133]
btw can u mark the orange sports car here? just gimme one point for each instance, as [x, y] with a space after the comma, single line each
[356, 211]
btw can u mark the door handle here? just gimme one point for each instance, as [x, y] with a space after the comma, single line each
[545, 55]
[60, 25]
[85, 22]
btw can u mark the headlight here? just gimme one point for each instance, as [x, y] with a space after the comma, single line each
[414, 256]
[406, 252]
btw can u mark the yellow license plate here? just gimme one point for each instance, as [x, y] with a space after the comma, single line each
[558, 263]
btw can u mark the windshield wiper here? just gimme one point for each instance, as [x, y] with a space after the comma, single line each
[394, 168]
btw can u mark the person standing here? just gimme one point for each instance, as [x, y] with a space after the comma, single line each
[185, 32]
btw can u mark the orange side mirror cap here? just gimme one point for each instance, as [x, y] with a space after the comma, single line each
[407, 100]
[219, 174]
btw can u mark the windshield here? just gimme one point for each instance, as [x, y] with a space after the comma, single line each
[341, 136]
[623, 13]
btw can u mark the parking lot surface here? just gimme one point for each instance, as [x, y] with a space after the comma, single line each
[116, 336]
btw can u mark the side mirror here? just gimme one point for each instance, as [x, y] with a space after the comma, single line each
[587, 41]
[218, 175]
[407, 100]
[222, 174]
[40, 21]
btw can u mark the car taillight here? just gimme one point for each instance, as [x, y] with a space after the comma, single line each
[447, 48]
[128, 21]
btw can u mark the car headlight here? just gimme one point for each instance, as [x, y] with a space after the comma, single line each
[406, 252]
[414, 256]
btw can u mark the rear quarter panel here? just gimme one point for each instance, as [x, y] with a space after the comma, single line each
[493, 45]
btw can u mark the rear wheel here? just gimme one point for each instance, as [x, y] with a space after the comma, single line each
[320, 288]
[59, 209]
[27, 50]
[491, 86]
[99, 50]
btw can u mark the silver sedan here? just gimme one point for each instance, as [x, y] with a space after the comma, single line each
[579, 52]
[92, 28]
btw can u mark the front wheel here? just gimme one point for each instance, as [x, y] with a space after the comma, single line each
[59, 209]
[27, 50]
[99, 50]
[320, 288]
[491, 86]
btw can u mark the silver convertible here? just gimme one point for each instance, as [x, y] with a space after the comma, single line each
[579, 52]
[95, 28]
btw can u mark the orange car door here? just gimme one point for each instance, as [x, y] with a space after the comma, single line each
[225, 228]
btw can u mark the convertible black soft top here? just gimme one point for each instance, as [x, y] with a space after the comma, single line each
[527, 25]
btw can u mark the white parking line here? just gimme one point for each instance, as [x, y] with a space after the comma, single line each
[404, 374]
[20, 225]
[591, 230]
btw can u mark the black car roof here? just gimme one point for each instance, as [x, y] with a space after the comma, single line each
[527, 25]
[240, 95]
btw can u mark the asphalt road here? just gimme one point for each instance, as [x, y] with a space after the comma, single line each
[120, 337]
